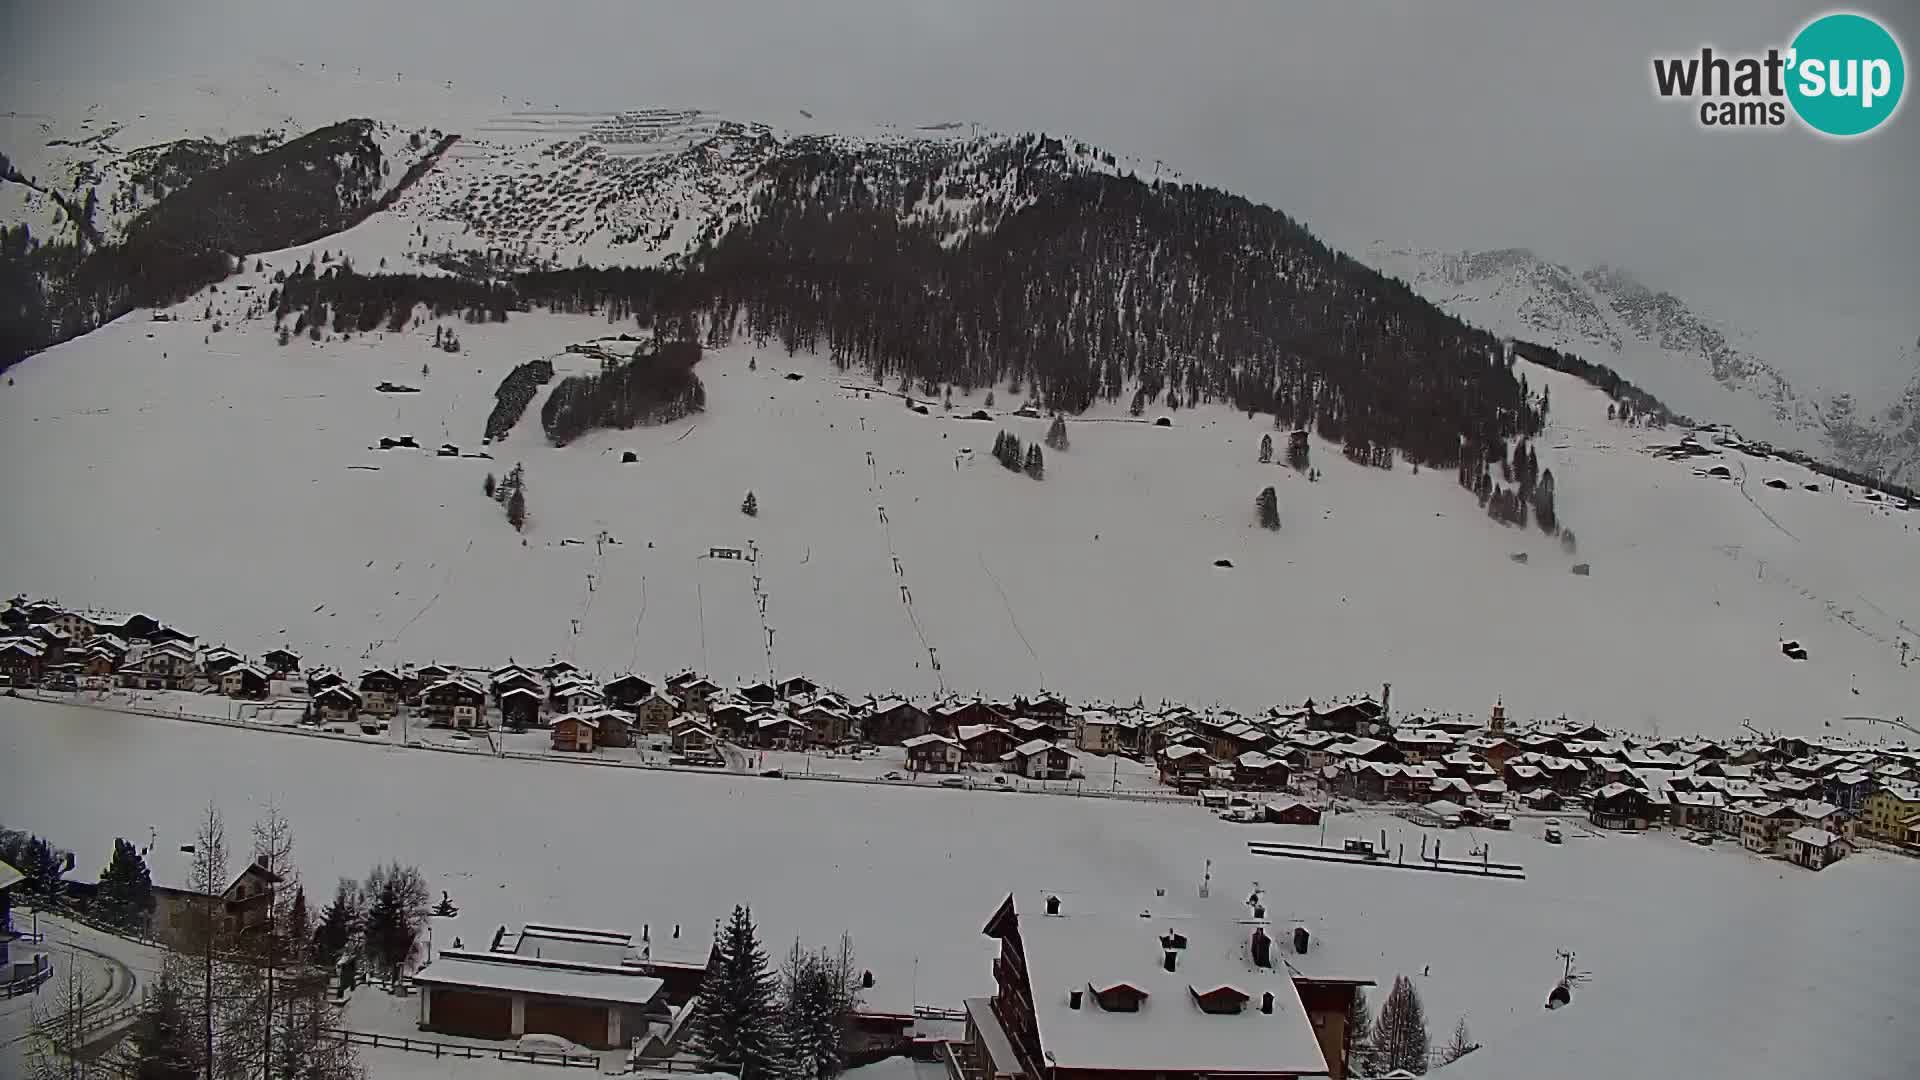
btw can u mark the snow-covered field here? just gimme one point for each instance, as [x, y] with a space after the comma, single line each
[226, 484]
[1704, 962]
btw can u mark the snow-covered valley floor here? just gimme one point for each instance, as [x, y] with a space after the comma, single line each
[1704, 962]
[226, 484]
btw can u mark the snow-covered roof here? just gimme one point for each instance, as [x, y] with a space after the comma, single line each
[478, 970]
[929, 738]
[520, 691]
[1181, 753]
[9, 877]
[1812, 836]
[1032, 747]
[1903, 790]
[1169, 1032]
[1814, 809]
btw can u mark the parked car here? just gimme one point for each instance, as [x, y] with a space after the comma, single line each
[953, 781]
[774, 774]
[548, 1044]
[1356, 846]
[893, 774]
[1552, 833]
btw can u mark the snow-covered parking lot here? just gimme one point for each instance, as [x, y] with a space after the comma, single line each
[1711, 960]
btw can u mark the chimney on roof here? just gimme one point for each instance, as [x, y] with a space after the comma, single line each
[1053, 905]
[1262, 948]
[1266, 1003]
[1073, 999]
[866, 979]
[1170, 959]
[1173, 939]
[1300, 940]
[1259, 911]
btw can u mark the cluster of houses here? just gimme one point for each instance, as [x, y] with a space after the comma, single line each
[1801, 800]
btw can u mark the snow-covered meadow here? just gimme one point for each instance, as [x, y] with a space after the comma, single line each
[1706, 960]
[226, 484]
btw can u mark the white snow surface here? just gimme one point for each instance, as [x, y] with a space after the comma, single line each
[226, 484]
[1703, 961]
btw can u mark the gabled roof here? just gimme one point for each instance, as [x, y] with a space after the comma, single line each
[1812, 836]
[928, 739]
[520, 691]
[1032, 747]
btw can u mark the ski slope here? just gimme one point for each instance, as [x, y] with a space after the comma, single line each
[1702, 962]
[227, 484]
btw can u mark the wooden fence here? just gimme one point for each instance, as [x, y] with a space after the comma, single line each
[462, 1050]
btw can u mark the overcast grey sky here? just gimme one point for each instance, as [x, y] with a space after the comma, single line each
[1432, 124]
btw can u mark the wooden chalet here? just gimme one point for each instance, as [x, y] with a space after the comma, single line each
[1618, 806]
[281, 661]
[890, 721]
[933, 753]
[574, 733]
[627, 692]
[380, 692]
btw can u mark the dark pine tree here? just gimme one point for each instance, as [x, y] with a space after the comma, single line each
[750, 506]
[1057, 433]
[1359, 1035]
[1266, 449]
[488, 486]
[335, 930]
[125, 893]
[1400, 1037]
[736, 1018]
[1267, 506]
[517, 508]
[1035, 466]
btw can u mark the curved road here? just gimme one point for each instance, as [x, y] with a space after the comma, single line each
[115, 970]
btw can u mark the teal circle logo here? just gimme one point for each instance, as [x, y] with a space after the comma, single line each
[1847, 75]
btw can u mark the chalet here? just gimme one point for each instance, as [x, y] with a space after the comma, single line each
[244, 681]
[520, 708]
[455, 703]
[1618, 806]
[1417, 746]
[434, 673]
[99, 665]
[242, 908]
[796, 686]
[760, 693]
[1365, 749]
[655, 713]
[336, 705]
[695, 693]
[21, 660]
[730, 718]
[281, 661]
[772, 731]
[215, 661]
[1098, 733]
[1186, 766]
[1318, 748]
[627, 692]
[560, 669]
[1695, 809]
[574, 696]
[1255, 769]
[983, 743]
[1081, 996]
[690, 737]
[1543, 799]
[1448, 787]
[167, 666]
[1350, 718]
[514, 678]
[321, 678]
[889, 721]
[955, 715]
[1038, 759]
[379, 692]
[933, 753]
[1047, 708]
[1292, 812]
[78, 628]
[616, 727]
[830, 726]
[1814, 848]
[574, 733]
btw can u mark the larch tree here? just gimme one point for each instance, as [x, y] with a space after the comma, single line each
[1358, 1043]
[1400, 1039]
[1460, 1045]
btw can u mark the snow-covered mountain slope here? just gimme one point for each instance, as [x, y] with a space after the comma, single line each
[1695, 363]
[226, 483]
